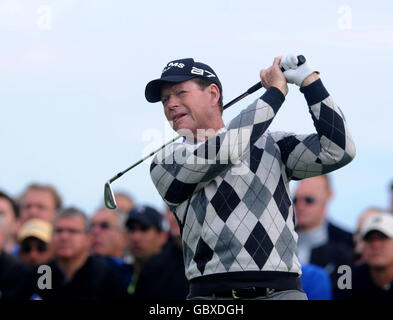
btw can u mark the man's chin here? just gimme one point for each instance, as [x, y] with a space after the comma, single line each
[185, 132]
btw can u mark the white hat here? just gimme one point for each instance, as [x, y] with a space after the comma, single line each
[382, 222]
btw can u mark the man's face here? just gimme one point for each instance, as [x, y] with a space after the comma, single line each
[38, 204]
[378, 250]
[107, 236]
[70, 238]
[311, 197]
[187, 106]
[357, 239]
[7, 220]
[144, 241]
[34, 252]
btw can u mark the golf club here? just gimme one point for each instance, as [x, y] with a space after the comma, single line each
[109, 197]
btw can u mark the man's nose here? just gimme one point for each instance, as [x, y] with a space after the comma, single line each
[172, 102]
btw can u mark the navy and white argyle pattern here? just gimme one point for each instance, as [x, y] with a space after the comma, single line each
[244, 222]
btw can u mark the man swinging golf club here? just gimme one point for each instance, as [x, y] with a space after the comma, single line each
[228, 186]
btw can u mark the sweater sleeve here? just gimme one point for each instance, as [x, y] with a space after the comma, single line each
[330, 148]
[180, 170]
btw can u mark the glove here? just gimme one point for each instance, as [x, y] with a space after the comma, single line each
[293, 73]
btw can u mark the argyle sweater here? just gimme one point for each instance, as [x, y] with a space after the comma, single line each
[231, 197]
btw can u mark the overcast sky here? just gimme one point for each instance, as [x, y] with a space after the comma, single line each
[73, 74]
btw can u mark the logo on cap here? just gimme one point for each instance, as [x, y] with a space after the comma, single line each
[178, 71]
[173, 64]
[201, 72]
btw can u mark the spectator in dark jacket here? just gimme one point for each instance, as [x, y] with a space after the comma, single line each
[320, 242]
[162, 276]
[146, 237]
[73, 274]
[12, 272]
[373, 280]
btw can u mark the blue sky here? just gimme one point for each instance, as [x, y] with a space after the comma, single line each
[73, 73]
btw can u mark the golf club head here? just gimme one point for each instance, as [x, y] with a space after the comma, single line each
[109, 197]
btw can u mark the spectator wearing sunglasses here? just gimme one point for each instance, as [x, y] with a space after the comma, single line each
[146, 236]
[108, 233]
[75, 274]
[107, 229]
[373, 280]
[34, 239]
[320, 242]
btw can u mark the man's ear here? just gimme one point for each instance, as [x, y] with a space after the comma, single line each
[214, 91]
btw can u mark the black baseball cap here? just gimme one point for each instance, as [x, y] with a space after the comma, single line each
[147, 216]
[178, 71]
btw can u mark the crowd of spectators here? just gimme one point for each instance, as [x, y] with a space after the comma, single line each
[52, 252]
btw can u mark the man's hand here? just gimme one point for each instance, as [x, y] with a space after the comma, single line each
[273, 77]
[310, 79]
[302, 75]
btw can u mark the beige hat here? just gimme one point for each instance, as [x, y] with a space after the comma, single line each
[382, 222]
[36, 228]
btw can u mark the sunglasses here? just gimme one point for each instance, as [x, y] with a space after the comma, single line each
[27, 247]
[307, 199]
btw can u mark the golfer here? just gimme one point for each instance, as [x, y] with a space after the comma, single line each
[228, 186]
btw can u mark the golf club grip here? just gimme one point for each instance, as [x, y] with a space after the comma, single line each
[254, 88]
[300, 60]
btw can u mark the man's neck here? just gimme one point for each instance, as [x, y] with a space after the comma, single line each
[70, 266]
[382, 276]
[202, 134]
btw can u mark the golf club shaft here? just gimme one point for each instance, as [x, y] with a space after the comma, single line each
[250, 90]
[143, 159]
[255, 87]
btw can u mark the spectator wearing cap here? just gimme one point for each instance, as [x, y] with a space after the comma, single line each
[162, 276]
[374, 279]
[357, 239]
[34, 239]
[145, 238]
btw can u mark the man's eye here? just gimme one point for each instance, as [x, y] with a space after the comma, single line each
[180, 93]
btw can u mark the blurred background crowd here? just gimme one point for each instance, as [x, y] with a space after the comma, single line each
[135, 251]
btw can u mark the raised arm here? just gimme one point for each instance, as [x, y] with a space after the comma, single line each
[329, 149]
[182, 169]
